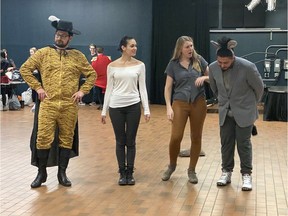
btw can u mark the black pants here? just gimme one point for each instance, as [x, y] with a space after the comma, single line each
[5, 89]
[98, 95]
[125, 121]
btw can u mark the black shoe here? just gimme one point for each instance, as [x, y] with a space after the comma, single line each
[63, 179]
[130, 178]
[123, 179]
[42, 157]
[62, 166]
[40, 178]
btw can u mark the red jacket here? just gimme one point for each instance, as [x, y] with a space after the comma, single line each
[100, 66]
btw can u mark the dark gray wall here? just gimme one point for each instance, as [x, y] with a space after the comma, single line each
[24, 23]
[256, 45]
[277, 18]
[104, 22]
[258, 40]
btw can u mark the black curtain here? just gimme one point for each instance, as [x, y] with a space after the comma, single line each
[172, 19]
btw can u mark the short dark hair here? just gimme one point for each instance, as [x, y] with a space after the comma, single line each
[93, 45]
[124, 42]
[222, 52]
[100, 49]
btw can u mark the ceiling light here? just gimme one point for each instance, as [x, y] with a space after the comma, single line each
[253, 4]
[271, 4]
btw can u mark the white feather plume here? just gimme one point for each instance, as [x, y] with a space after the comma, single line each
[53, 18]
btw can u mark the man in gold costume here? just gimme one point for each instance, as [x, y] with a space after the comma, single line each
[60, 68]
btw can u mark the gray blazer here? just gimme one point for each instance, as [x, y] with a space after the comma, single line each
[246, 90]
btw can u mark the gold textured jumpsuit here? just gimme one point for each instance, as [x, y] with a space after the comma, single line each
[60, 74]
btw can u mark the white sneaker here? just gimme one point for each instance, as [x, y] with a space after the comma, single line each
[247, 182]
[224, 179]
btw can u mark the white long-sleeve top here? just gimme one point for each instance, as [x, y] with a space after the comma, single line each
[122, 88]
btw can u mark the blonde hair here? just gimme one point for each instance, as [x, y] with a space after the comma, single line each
[178, 49]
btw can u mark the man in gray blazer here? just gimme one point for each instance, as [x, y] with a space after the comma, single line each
[238, 86]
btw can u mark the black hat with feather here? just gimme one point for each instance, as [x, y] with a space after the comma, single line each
[63, 25]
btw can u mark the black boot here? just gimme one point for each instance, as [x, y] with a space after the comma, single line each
[64, 157]
[130, 178]
[42, 173]
[122, 179]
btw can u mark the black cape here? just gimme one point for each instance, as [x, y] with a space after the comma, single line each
[54, 151]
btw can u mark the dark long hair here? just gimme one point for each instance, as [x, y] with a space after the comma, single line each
[124, 42]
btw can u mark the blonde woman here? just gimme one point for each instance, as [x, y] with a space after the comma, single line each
[32, 50]
[187, 71]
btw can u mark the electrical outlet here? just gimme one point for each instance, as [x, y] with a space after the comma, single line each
[277, 66]
[267, 65]
[285, 64]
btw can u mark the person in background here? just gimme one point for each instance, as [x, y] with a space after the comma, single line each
[100, 66]
[125, 92]
[12, 65]
[93, 51]
[238, 86]
[32, 51]
[187, 71]
[60, 68]
[4, 80]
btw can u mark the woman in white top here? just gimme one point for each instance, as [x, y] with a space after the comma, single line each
[126, 90]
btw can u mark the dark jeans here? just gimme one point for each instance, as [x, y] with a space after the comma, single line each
[230, 133]
[125, 121]
[98, 95]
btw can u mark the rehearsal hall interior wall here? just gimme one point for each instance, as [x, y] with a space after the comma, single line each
[257, 32]
[24, 25]
[104, 23]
